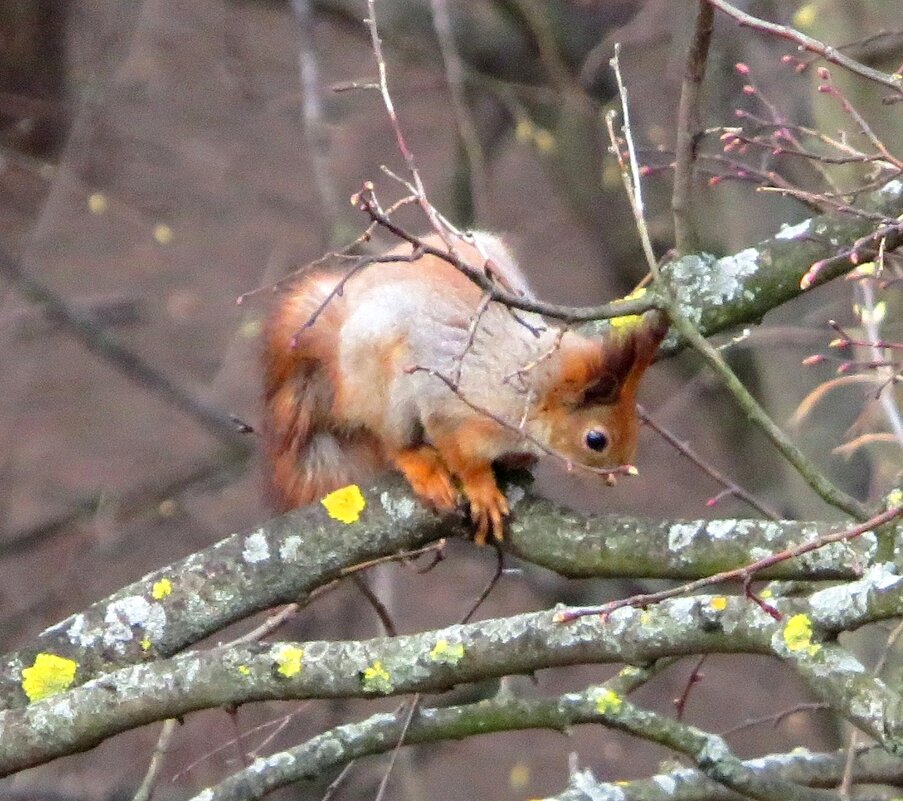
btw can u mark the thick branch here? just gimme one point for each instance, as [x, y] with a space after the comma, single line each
[382, 732]
[688, 129]
[721, 293]
[437, 660]
[873, 766]
[287, 558]
[602, 705]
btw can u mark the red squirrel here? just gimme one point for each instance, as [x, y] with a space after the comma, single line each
[352, 394]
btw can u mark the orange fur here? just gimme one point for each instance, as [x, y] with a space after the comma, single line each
[341, 402]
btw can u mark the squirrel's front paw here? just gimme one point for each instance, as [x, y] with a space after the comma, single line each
[488, 510]
[428, 477]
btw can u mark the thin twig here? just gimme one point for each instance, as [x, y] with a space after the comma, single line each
[316, 132]
[385, 618]
[406, 152]
[626, 469]
[688, 330]
[467, 130]
[846, 782]
[827, 52]
[572, 314]
[146, 788]
[685, 450]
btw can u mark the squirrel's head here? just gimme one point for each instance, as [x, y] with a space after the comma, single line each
[589, 408]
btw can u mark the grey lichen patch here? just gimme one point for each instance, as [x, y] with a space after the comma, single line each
[256, 549]
[583, 781]
[290, 548]
[793, 231]
[398, 507]
[892, 188]
[281, 759]
[79, 634]
[127, 615]
[45, 717]
[680, 535]
[515, 494]
[701, 281]
[831, 606]
[722, 529]
[667, 783]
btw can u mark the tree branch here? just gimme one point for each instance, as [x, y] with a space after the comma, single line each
[437, 660]
[287, 558]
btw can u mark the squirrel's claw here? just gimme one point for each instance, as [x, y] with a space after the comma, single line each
[488, 511]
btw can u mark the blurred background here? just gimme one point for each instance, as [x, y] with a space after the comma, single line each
[160, 158]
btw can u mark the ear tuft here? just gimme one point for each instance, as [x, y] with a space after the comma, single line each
[627, 350]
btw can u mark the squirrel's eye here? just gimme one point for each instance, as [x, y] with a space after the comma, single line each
[596, 440]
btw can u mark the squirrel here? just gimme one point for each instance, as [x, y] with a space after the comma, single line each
[353, 382]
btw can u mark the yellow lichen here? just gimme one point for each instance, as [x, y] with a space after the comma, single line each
[244, 670]
[804, 16]
[97, 203]
[377, 678]
[288, 659]
[163, 234]
[895, 498]
[450, 653]
[345, 504]
[628, 321]
[50, 674]
[161, 589]
[607, 701]
[146, 644]
[798, 635]
[544, 140]
[718, 603]
[766, 594]
[519, 776]
[523, 131]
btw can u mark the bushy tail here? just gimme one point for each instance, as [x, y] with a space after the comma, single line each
[308, 454]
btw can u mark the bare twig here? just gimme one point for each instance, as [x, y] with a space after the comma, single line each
[146, 788]
[571, 314]
[805, 42]
[688, 330]
[608, 472]
[406, 152]
[467, 130]
[315, 131]
[682, 447]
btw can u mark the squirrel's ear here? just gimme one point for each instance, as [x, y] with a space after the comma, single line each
[628, 349]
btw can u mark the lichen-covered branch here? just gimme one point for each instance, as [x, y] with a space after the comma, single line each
[382, 732]
[289, 557]
[603, 705]
[872, 766]
[438, 660]
[721, 293]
